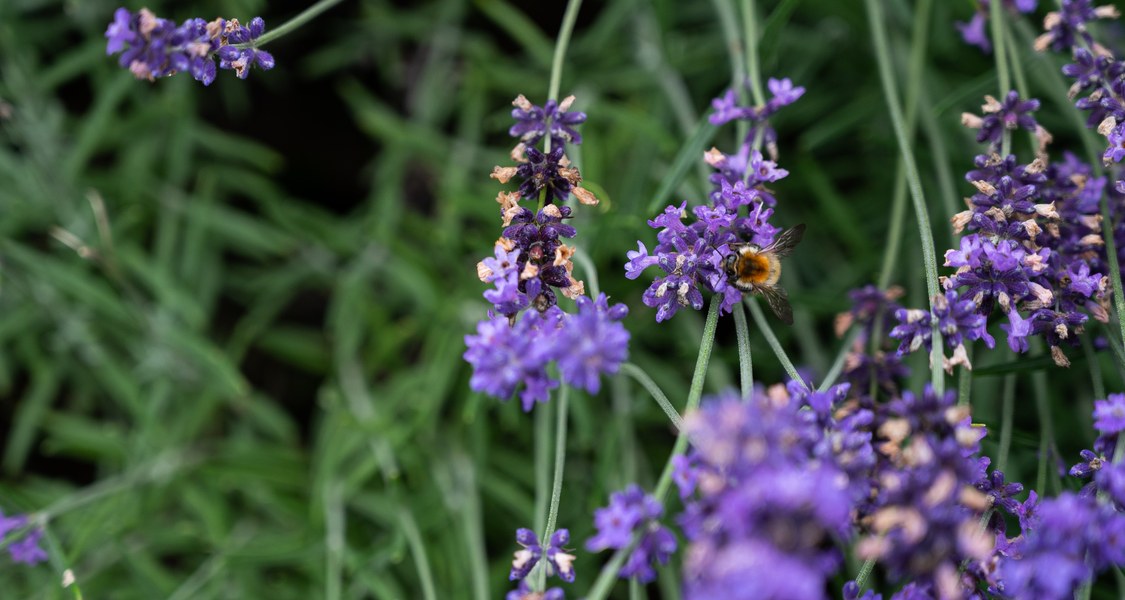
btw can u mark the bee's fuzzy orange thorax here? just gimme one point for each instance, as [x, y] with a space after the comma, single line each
[755, 269]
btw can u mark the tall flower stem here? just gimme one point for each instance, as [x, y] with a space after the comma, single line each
[745, 362]
[695, 393]
[560, 462]
[296, 22]
[996, 21]
[750, 42]
[882, 55]
[661, 398]
[917, 67]
[561, 43]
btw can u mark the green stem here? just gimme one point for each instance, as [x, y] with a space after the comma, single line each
[841, 357]
[764, 327]
[996, 22]
[418, 549]
[608, 574]
[1021, 79]
[305, 16]
[750, 42]
[864, 573]
[745, 363]
[561, 43]
[542, 448]
[695, 393]
[728, 19]
[882, 55]
[560, 461]
[643, 378]
[917, 67]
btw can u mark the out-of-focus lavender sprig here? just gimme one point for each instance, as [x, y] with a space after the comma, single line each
[526, 332]
[630, 513]
[975, 31]
[26, 549]
[765, 495]
[691, 254]
[153, 47]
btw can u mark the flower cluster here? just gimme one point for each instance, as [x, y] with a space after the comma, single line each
[1030, 247]
[1103, 464]
[956, 319]
[526, 331]
[634, 513]
[25, 550]
[558, 560]
[152, 47]
[1069, 539]
[923, 521]
[691, 254]
[765, 496]
[975, 32]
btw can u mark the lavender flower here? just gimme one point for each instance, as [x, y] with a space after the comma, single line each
[957, 319]
[999, 117]
[1074, 539]
[524, 592]
[25, 550]
[691, 254]
[1109, 414]
[152, 47]
[558, 561]
[764, 508]
[534, 122]
[515, 345]
[923, 520]
[593, 342]
[975, 32]
[632, 512]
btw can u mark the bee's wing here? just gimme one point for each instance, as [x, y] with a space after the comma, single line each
[785, 242]
[779, 302]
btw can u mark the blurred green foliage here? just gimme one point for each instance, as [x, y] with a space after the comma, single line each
[232, 318]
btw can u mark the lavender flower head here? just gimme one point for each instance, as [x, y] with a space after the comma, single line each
[152, 47]
[764, 509]
[633, 513]
[526, 331]
[957, 320]
[691, 254]
[975, 32]
[1074, 539]
[559, 562]
[25, 550]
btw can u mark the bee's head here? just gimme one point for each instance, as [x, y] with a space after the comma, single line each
[729, 264]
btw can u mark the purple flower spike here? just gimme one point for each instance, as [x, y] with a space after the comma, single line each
[593, 342]
[152, 47]
[534, 122]
[1109, 414]
[632, 512]
[25, 550]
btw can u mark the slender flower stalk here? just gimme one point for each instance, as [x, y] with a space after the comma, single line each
[882, 55]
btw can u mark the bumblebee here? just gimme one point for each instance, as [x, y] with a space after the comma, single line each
[756, 270]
